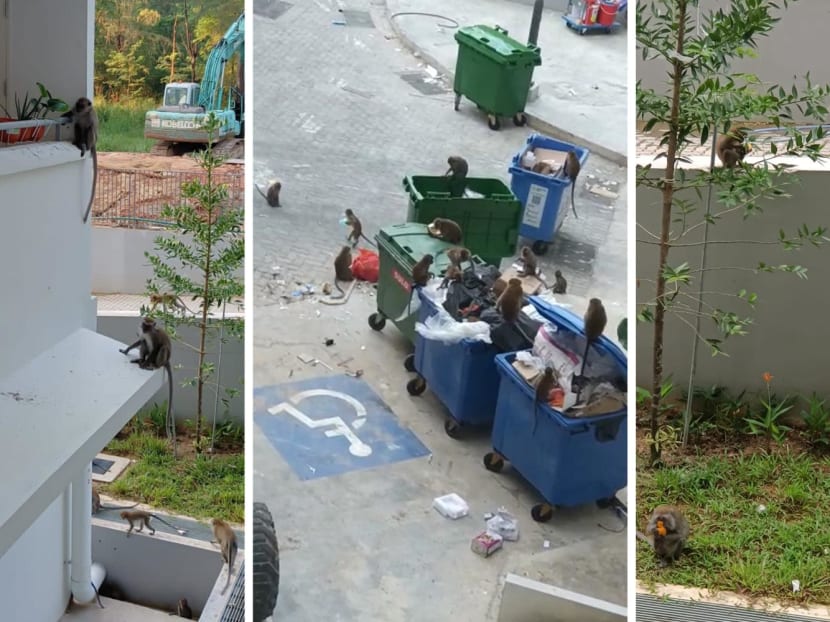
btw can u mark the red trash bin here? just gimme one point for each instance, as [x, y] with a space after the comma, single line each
[608, 12]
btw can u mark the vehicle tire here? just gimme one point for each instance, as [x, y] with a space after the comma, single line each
[266, 563]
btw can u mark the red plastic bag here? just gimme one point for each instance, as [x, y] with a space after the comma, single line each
[366, 266]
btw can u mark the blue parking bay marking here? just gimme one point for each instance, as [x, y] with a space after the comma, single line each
[332, 425]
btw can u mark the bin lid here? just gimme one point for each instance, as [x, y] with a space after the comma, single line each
[568, 319]
[496, 44]
[413, 240]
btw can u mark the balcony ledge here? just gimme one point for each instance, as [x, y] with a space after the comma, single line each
[32, 156]
[56, 413]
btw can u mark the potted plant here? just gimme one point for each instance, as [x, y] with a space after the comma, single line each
[27, 109]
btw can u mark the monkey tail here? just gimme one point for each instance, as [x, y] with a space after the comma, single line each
[260, 191]
[171, 424]
[172, 526]
[343, 298]
[94, 154]
[573, 205]
[368, 240]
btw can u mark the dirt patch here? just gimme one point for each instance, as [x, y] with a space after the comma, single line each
[133, 188]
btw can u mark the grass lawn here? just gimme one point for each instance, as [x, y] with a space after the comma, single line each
[203, 486]
[735, 544]
[122, 125]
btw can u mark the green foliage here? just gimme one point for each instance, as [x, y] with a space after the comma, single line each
[141, 45]
[29, 108]
[122, 125]
[195, 486]
[705, 95]
[768, 422]
[758, 521]
[817, 422]
[206, 241]
[622, 332]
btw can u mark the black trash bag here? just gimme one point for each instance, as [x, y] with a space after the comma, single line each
[511, 337]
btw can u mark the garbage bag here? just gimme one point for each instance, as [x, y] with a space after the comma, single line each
[366, 266]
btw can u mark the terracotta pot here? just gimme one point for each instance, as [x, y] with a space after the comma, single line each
[21, 135]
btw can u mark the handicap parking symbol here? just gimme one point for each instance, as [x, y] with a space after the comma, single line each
[332, 425]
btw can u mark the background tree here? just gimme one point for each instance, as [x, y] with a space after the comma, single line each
[206, 242]
[704, 97]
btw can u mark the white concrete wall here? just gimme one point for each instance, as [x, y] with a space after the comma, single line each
[790, 331]
[232, 374]
[34, 585]
[45, 252]
[156, 571]
[119, 265]
[793, 48]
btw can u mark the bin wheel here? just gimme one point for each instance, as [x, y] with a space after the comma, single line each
[608, 31]
[493, 462]
[542, 512]
[608, 502]
[377, 321]
[416, 386]
[539, 247]
[409, 363]
[520, 119]
[266, 563]
[452, 429]
[493, 122]
[457, 101]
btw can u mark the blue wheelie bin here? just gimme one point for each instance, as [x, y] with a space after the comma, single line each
[462, 376]
[543, 197]
[570, 461]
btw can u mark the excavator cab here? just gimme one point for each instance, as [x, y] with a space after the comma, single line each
[181, 97]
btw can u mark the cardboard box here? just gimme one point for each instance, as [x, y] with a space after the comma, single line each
[486, 543]
[530, 284]
[528, 372]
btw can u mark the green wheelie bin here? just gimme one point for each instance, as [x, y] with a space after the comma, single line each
[400, 247]
[494, 71]
[489, 223]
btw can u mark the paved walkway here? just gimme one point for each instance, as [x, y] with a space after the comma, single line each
[582, 80]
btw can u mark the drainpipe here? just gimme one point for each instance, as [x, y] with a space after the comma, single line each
[84, 573]
[533, 36]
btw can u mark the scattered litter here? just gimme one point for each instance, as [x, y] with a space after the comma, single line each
[488, 515]
[345, 362]
[312, 469]
[486, 543]
[338, 22]
[432, 71]
[430, 462]
[319, 362]
[546, 544]
[504, 524]
[358, 423]
[329, 342]
[305, 359]
[796, 586]
[761, 508]
[326, 289]
[451, 505]
[362, 347]
[355, 374]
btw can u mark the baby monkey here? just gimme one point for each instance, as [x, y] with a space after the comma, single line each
[357, 229]
[560, 286]
[666, 532]
[272, 193]
[571, 170]
[458, 255]
[731, 148]
[530, 264]
[458, 175]
[142, 518]
[226, 539]
[545, 385]
[445, 229]
[452, 275]
[420, 277]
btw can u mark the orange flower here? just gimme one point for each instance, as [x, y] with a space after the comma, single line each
[767, 377]
[661, 528]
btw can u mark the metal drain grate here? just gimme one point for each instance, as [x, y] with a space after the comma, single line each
[271, 9]
[658, 609]
[361, 19]
[424, 83]
[235, 608]
[101, 466]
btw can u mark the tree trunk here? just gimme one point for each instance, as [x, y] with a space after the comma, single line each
[173, 52]
[665, 227]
